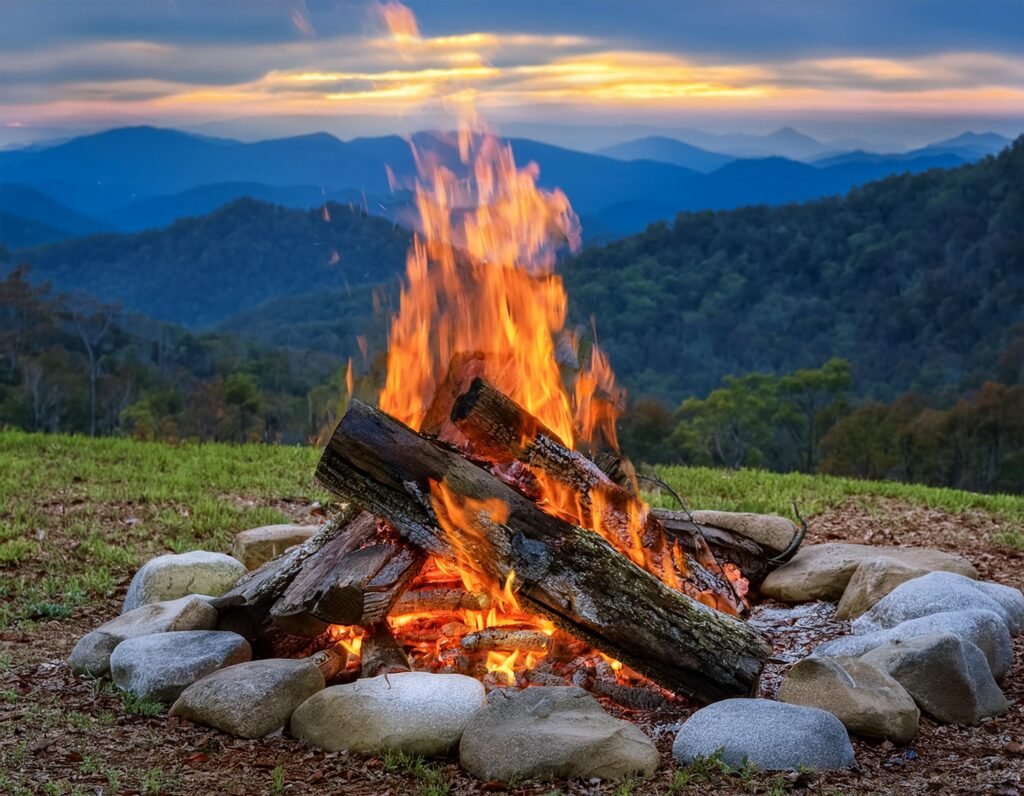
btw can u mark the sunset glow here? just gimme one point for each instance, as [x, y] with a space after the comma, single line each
[361, 67]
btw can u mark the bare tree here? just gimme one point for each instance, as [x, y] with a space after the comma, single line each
[91, 320]
[45, 396]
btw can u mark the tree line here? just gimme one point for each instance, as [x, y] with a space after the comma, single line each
[809, 421]
[71, 363]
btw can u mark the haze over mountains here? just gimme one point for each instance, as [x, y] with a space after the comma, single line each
[131, 179]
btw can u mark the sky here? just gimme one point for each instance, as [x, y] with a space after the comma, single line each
[890, 70]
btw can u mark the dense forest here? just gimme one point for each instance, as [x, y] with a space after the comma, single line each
[916, 280]
[74, 364]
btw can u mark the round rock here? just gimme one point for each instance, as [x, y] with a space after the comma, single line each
[172, 576]
[91, 654]
[414, 712]
[250, 700]
[873, 579]
[769, 530]
[864, 698]
[823, 571]
[548, 732]
[938, 592]
[160, 667]
[256, 546]
[948, 678]
[984, 629]
[771, 735]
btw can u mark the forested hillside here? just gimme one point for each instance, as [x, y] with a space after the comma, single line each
[916, 280]
[200, 270]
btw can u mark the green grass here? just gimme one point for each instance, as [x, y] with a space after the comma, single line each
[775, 493]
[79, 515]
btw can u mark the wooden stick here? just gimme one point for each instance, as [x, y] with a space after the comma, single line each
[506, 640]
[380, 653]
[564, 572]
[416, 601]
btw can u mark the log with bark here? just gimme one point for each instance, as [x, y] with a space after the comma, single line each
[568, 574]
[500, 431]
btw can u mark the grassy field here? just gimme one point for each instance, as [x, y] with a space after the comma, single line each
[77, 515]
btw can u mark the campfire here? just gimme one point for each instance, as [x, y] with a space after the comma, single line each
[479, 533]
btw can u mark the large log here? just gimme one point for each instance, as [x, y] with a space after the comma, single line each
[500, 431]
[563, 572]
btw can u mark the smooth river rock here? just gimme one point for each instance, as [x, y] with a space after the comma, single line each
[938, 592]
[552, 732]
[984, 629]
[160, 667]
[773, 736]
[864, 698]
[250, 700]
[948, 678]
[91, 654]
[414, 712]
[872, 580]
[823, 571]
[769, 530]
[171, 576]
[256, 546]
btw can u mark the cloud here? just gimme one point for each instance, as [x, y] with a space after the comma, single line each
[191, 61]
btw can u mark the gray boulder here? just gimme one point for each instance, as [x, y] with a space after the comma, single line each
[91, 654]
[172, 576]
[770, 530]
[948, 678]
[984, 629]
[865, 699]
[549, 732]
[938, 592]
[250, 700]
[256, 546]
[160, 667]
[823, 571]
[773, 736]
[872, 580]
[414, 712]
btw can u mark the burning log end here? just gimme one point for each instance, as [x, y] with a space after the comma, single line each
[380, 653]
[497, 638]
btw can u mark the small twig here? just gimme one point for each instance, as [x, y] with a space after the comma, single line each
[794, 545]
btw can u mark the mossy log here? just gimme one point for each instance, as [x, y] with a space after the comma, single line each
[563, 572]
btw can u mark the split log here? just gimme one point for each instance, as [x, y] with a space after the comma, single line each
[246, 606]
[416, 601]
[505, 640]
[380, 653]
[566, 573]
[501, 431]
[351, 582]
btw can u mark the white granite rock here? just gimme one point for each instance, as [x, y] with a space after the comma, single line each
[92, 652]
[414, 712]
[938, 592]
[161, 666]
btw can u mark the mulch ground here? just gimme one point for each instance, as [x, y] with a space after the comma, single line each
[59, 733]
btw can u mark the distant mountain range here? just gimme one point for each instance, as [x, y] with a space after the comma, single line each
[130, 179]
[916, 279]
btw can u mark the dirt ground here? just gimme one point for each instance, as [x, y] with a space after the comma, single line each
[63, 734]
